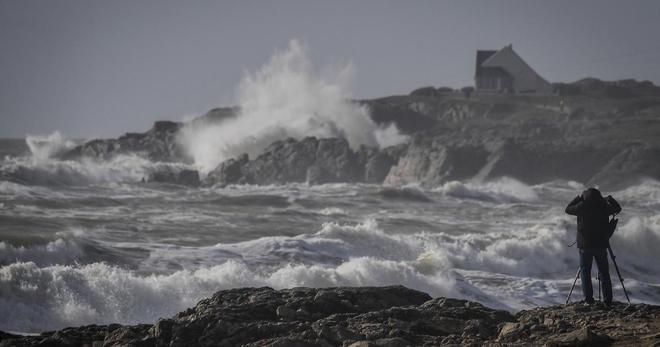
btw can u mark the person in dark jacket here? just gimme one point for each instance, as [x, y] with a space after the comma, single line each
[593, 211]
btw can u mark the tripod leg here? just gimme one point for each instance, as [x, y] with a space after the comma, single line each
[617, 272]
[577, 275]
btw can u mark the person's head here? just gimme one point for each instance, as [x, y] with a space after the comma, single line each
[592, 195]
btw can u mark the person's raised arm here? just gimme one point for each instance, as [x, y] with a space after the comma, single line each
[613, 206]
[574, 206]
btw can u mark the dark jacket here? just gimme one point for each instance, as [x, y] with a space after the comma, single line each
[593, 211]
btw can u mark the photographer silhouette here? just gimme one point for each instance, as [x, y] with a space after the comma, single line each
[593, 233]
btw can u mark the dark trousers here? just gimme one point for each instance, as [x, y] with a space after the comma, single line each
[587, 255]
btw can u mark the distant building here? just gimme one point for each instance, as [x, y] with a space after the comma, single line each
[506, 71]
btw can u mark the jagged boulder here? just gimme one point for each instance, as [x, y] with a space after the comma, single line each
[215, 116]
[629, 166]
[334, 162]
[431, 162]
[311, 160]
[538, 162]
[378, 167]
[364, 316]
[585, 325]
[158, 144]
[282, 162]
[229, 171]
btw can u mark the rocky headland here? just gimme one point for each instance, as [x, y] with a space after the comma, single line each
[590, 131]
[365, 316]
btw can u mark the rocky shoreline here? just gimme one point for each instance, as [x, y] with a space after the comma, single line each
[582, 133]
[365, 316]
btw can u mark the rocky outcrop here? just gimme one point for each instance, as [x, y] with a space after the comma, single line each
[609, 142]
[158, 144]
[311, 160]
[365, 316]
[229, 172]
[592, 134]
[586, 325]
[431, 162]
[594, 87]
[629, 165]
[215, 116]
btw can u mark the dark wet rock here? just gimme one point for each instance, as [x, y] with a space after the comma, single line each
[162, 331]
[229, 171]
[282, 162]
[215, 116]
[511, 331]
[580, 337]
[595, 132]
[137, 335]
[311, 160]
[6, 336]
[584, 325]
[425, 91]
[158, 144]
[629, 166]
[365, 316]
[609, 142]
[378, 167]
[402, 111]
[431, 162]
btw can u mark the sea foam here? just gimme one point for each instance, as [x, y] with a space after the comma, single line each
[285, 98]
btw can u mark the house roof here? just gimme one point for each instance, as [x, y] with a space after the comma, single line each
[493, 71]
[506, 50]
[489, 61]
[482, 56]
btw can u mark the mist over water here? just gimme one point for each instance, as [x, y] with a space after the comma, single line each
[287, 97]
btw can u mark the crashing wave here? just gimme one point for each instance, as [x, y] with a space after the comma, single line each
[53, 172]
[45, 147]
[503, 190]
[286, 98]
[512, 264]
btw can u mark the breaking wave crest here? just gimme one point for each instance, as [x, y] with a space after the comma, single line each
[54, 296]
[287, 98]
[44, 147]
[60, 251]
[57, 296]
[503, 190]
[53, 172]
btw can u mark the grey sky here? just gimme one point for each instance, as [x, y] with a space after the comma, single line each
[101, 68]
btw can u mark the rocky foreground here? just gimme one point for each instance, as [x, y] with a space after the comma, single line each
[366, 316]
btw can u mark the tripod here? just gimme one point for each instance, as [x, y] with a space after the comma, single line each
[609, 248]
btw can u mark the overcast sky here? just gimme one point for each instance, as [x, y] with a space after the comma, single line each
[101, 68]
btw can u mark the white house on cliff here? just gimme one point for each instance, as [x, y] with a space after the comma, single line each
[506, 71]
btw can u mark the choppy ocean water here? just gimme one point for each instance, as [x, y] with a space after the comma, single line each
[87, 242]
